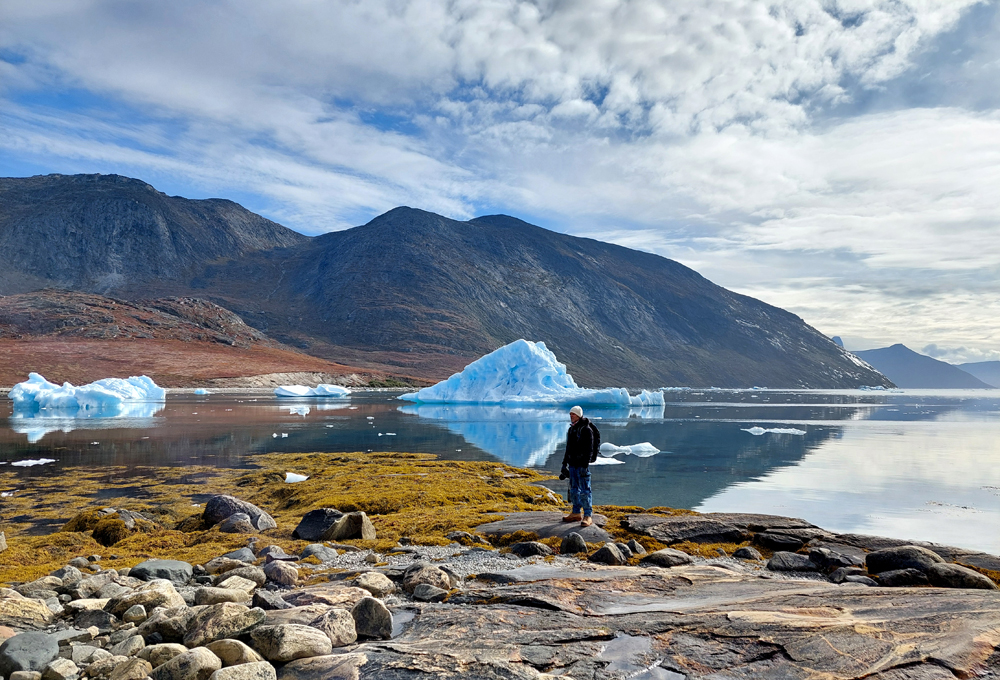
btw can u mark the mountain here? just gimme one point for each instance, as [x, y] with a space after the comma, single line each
[987, 371]
[906, 368]
[417, 293]
[99, 233]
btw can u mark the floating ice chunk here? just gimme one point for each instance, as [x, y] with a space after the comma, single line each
[201, 391]
[31, 463]
[524, 372]
[284, 435]
[6, 494]
[608, 461]
[292, 478]
[108, 396]
[298, 411]
[643, 450]
[757, 431]
[321, 390]
[390, 434]
[274, 435]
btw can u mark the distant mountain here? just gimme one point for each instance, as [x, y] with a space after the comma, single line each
[907, 368]
[416, 293]
[987, 371]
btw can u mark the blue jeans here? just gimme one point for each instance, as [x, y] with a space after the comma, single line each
[579, 490]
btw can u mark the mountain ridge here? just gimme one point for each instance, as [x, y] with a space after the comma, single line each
[909, 369]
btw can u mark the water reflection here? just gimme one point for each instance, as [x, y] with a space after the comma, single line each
[37, 424]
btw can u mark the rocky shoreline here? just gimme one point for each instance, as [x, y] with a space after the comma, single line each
[526, 596]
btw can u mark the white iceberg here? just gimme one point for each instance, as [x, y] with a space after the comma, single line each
[201, 391]
[107, 396]
[607, 461]
[32, 463]
[321, 390]
[643, 450]
[758, 431]
[294, 477]
[524, 373]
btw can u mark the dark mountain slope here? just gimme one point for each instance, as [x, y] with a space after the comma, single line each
[987, 371]
[907, 368]
[99, 233]
[415, 282]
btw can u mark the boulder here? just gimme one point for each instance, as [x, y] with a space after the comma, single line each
[254, 575]
[23, 612]
[220, 565]
[89, 586]
[130, 646]
[427, 593]
[545, 525]
[98, 618]
[302, 616]
[902, 557]
[197, 664]
[243, 555]
[860, 578]
[169, 624]
[43, 584]
[220, 507]
[668, 557]
[350, 526]
[900, 578]
[333, 667]
[530, 549]
[779, 542]
[209, 595]
[135, 614]
[840, 575]
[269, 600]
[315, 523]
[338, 625]
[258, 670]
[636, 547]
[421, 572]
[237, 523]
[747, 553]
[271, 551]
[61, 669]
[103, 668]
[224, 620]
[157, 655]
[956, 576]
[281, 573]
[789, 561]
[289, 642]
[375, 583]
[828, 560]
[234, 582]
[608, 554]
[68, 575]
[158, 593]
[573, 544]
[624, 550]
[680, 528]
[133, 669]
[174, 571]
[320, 552]
[372, 619]
[83, 655]
[27, 652]
[233, 652]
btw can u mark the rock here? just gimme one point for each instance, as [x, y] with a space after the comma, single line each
[302, 616]
[956, 576]
[82, 655]
[27, 652]
[111, 590]
[545, 525]
[680, 528]
[897, 578]
[375, 583]
[860, 578]
[747, 553]
[608, 554]
[259, 670]
[271, 551]
[668, 557]
[320, 552]
[372, 619]
[350, 526]
[68, 575]
[89, 586]
[530, 549]
[289, 642]
[174, 571]
[828, 560]
[3, 541]
[281, 573]
[840, 575]
[334, 667]
[224, 620]
[134, 614]
[421, 572]
[268, 600]
[169, 624]
[209, 595]
[779, 542]
[573, 544]
[44, 584]
[60, 669]
[133, 669]
[158, 593]
[197, 664]
[103, 668]
[98, 618]
[24, 613]
[80, 563]
[234, 582]
[428, 593]
[237, 523]
[130, 646]
[25, 675]
[255, 575]
[338, 625]
[624, 550]
[332, 594]
[218, 508]
[789, 561]
[636, 547]
[233, 652]
[243, 555]
[220, 565]
[315, 523]
[157, 655]
[902, 557]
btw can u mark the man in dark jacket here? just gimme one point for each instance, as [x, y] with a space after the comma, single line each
[576, 466]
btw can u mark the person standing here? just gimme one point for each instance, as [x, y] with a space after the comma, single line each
[580, 450]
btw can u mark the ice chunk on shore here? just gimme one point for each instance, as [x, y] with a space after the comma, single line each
[201, 391]
[32, 463]
[524, 373]
[643, 450]
[321, 390]
[757, 430]
[294, 478]
[109, 396]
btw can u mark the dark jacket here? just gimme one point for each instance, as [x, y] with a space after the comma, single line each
[579, 444]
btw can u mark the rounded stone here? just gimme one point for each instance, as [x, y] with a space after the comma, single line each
[282, 573]
[902, 557]
[957, 576]
[134, 614]
[375, 583]
[27, 652]
[573, 544]
[530, 549]
[196, 664]
[338, 625]
[608, 554]
[427, 593]
[288, 642]
[747, 553]
[372, 619]
[789, 561]
[233, 652]
[668, 557]
[176, 571]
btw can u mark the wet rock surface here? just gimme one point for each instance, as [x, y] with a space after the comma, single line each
[545, 525]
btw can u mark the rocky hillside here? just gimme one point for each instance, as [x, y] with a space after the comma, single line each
[909, 369]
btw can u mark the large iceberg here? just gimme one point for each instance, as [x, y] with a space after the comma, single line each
[109, 397]
[524, 373]
[321, 390]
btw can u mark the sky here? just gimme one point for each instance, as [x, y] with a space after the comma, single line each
[837, 158]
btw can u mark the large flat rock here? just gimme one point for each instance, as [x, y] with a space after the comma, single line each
[545, 525]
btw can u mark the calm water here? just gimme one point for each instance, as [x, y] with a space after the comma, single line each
[910, 464]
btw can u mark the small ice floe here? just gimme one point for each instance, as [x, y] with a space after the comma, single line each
[293, 477]
[390, 434]
[274, 435]
[643, 450]
[6, 494]
[321, 390]
[298, 411]
[369, 417]
[95, 443]
[601, 460]
[284, 434]
[31, 463]
[201, 392]
[379, 434]
[758, 431]
[352, 408]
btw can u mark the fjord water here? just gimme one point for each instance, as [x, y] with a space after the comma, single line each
[909, 464]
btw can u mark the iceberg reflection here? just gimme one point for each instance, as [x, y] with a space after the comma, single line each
[129, 414]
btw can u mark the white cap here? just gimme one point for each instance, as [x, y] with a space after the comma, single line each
[577, 411]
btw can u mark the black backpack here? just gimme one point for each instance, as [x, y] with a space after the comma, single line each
[597, 442]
